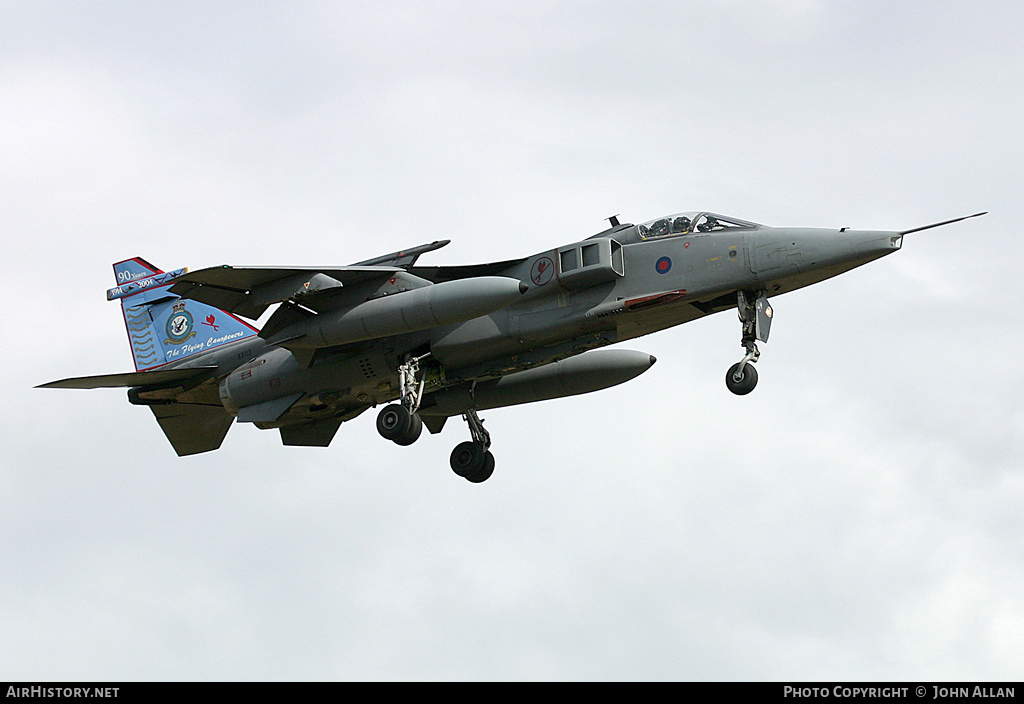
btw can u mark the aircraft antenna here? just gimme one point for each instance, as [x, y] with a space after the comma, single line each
[939, 224]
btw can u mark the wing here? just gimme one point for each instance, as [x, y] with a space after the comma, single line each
[405, 257]
[249, 291]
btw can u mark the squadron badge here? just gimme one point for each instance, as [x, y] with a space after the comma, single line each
[179, 326]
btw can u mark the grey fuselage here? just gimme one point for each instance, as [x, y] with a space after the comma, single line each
[627, 281]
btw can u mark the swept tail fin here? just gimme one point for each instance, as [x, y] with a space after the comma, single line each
[163, 327]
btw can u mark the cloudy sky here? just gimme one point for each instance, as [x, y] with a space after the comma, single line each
[857, 517]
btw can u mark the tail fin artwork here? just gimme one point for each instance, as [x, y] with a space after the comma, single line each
[162, 327]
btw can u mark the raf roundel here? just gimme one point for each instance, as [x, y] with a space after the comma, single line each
[663, 265]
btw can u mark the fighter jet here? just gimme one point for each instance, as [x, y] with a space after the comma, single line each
[431, 343]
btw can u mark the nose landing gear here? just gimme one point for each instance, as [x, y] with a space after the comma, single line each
[756, 320]
[741, 378]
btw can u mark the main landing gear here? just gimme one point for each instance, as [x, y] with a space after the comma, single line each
[400, 423]
[756, 319]
[472, 460]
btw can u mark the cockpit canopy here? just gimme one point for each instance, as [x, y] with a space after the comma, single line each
[689, 223]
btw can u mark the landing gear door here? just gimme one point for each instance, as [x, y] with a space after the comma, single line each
[764, 318]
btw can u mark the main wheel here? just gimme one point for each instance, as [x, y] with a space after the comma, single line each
[394, 421]
[742, 383]
[486, 471]
[413, 433]
[468, 458]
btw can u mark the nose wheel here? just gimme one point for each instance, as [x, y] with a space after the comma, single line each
[741, 378]
[756, 321]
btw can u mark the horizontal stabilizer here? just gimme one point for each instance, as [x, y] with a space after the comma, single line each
[159, 377]
[193, 428]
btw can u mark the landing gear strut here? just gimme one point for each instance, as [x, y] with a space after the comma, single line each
[473, 460]
[756, 319]
[399, 422]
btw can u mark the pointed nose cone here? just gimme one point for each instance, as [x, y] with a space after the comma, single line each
[834, 252]
[794, 258]
[845, 248]
[872, 244]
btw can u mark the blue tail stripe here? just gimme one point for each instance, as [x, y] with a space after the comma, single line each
[164, 328]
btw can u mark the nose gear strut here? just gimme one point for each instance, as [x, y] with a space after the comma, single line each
[756, 320]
